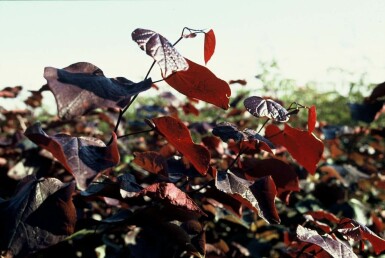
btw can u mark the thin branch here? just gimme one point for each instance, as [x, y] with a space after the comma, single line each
[134, 133]
[263, 125]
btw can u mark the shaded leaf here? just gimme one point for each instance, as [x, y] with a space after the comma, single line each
[169, 194]
[84, 157]
[258, 196]
[159, 48]
[305, 148]
[311, 119]
[284, 176]
[260, 107]
[82, 87]
[39, 215]
[334, 247]
[151, 161]
[128, 185]
[209, 45]
[378, 92]
[356, 231]
[200, 83]
[179, 136]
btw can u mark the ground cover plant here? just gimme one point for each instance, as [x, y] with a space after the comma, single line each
[240, 176]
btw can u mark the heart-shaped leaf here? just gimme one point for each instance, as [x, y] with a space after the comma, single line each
[209, 45]
[84, 157]
[159, 48]
[40, 214]
[82, 87]
[200, 83]
[333, 247]
[258, 196]
[179, 136]
[304, 147]
[260, 107]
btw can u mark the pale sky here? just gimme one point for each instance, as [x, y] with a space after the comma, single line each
[305, 37]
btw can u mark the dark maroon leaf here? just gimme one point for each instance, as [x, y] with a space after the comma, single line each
[10, 92]
[151, 161]
[35, 99]
[159, 48]
[356, 231]
[82, 87]
[333, 247]
[284, 176]
[260, 200]
[39, 215]
[169, 194]
[378, 92]
[84, 157]
[241, 82]
[260, 107]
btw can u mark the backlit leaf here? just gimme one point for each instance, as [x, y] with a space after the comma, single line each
[305, 148]
[82, 87]
[200, 83]
[159, 48]
[334, 247]
[179, 136]
[209, 45]
[151, 161]
[84, 157]
[260, 107]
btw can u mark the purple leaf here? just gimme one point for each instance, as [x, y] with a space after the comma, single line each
[260, 107]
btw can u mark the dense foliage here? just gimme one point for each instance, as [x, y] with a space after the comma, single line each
[117, 175]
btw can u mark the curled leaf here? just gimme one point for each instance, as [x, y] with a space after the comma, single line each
[311, 119]
[159, 48]
[260, 107]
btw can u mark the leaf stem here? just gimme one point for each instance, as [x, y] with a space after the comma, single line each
[134, 133]
[235, 160]
[263, 125]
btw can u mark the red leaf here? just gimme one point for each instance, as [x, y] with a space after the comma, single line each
[151, 161]
[39, 215]
[189, 108]
[200, 83]
[169, 194]
[334, 247]
[209, 45]
[159, 48]
[353, 229]
[311, 119]
[83, 157]
[284, 176]
[179, 136]
[305, 148]
[324, 215]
